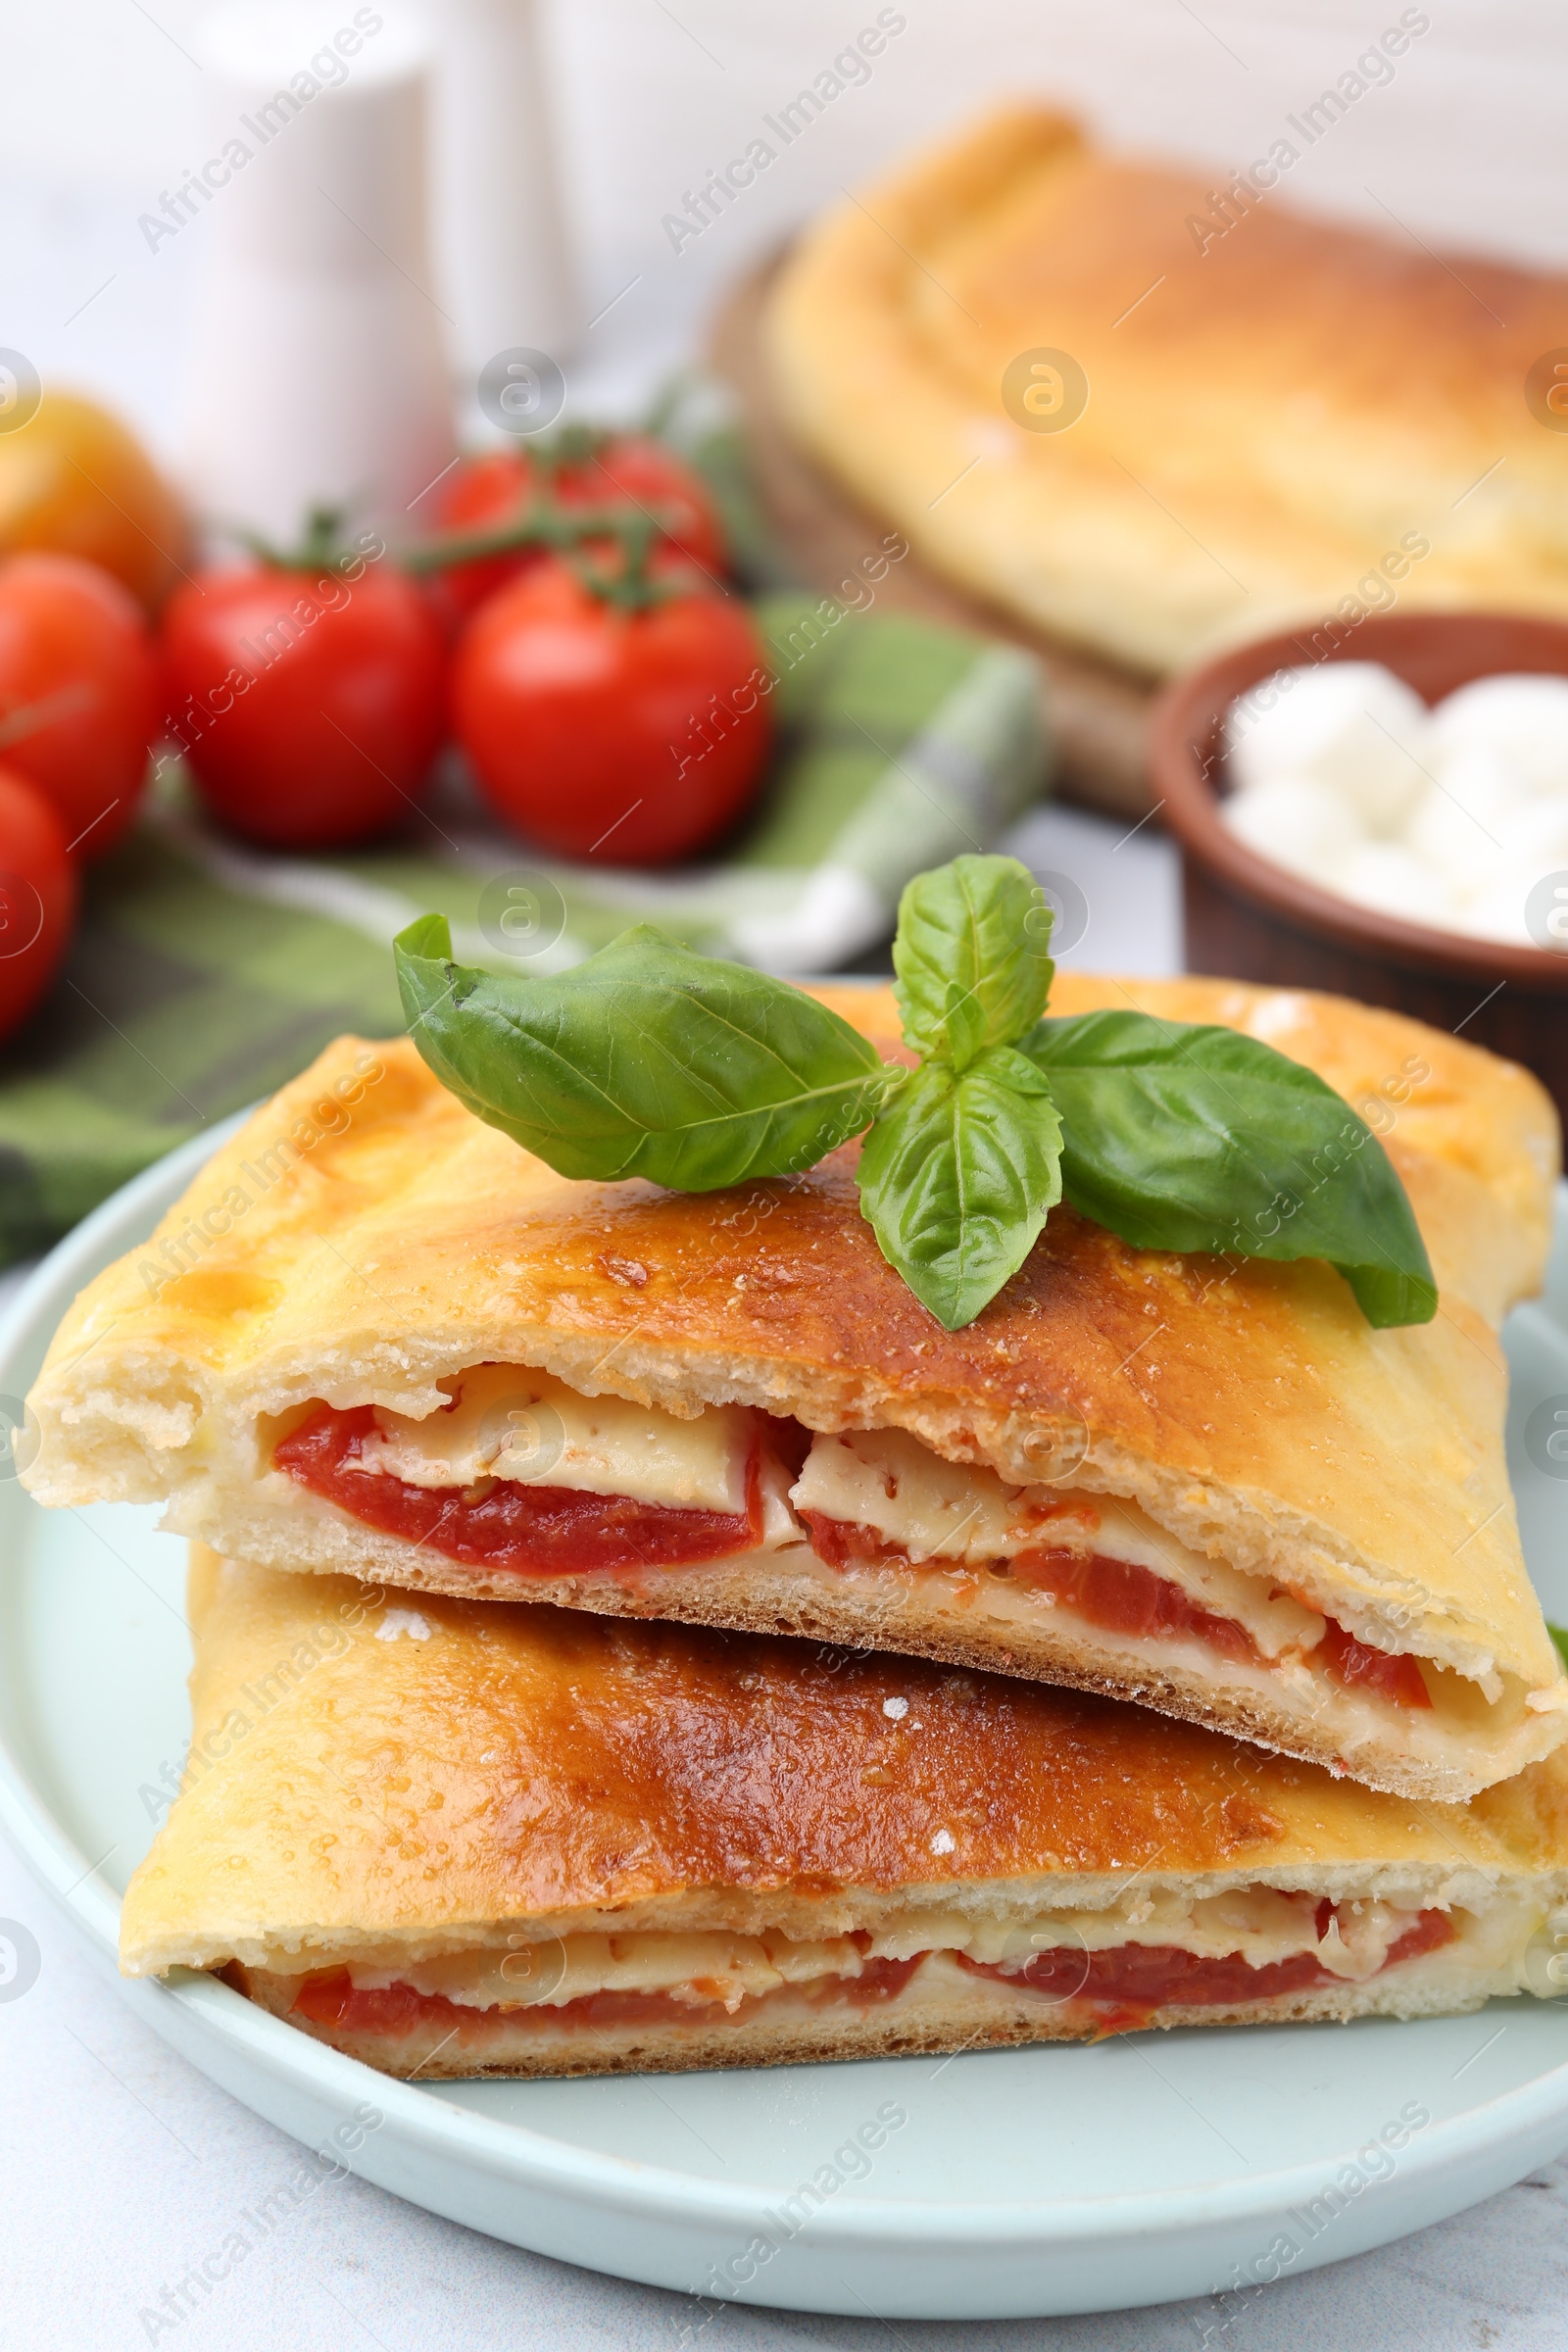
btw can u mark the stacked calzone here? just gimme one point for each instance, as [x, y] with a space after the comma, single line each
[376, 1337]
[455, 1838]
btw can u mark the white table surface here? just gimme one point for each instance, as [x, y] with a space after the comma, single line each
[121, 2166]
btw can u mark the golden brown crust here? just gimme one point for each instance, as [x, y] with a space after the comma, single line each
[365, 1779]
[1249, 1409]
[1203, 494]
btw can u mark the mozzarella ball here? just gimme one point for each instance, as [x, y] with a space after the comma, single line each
[1392, 879]
[1447, 837]
[1296, 823]
[1521, 721]
[1532, 848]
[1351, 726]
[1499, 912]
[1458, 824]
[1534, 839]
[1486, 784]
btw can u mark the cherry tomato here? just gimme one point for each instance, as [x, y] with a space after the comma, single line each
[486, 493]
[72, 480]
[589, 726]
[78, 692]
[308, 703]
[37, 897]
[481, 495]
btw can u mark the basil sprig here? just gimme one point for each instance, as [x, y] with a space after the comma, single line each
[648, 1060]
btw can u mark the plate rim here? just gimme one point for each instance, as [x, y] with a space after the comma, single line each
[531, 2158]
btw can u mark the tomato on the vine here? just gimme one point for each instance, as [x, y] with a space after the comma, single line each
[78, 692]
[580, 470]
[37, 895]
[308, 700]
[592, 724]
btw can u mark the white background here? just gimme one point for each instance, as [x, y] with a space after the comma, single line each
[120, 2167]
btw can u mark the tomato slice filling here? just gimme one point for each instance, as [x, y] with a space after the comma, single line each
[557, 1531]
[334, 2000]
[1353, 1664]
[1121, 1598]
[535, 1531]
[1125, 1985]
[1135, 1980]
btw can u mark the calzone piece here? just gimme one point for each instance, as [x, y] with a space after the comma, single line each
[377, 1338]
[456, 1839]
[1131, 406]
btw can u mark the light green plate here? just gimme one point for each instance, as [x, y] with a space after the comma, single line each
[1007, 2183]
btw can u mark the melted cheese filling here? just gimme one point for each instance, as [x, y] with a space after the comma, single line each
[934, 1510]
[507, 1422]
[529, 1427]
[1258, 1923]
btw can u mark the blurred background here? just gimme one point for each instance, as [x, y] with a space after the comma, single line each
[101, 108]
[320, 253]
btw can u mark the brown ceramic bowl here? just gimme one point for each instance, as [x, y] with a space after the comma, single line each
[1250, 920]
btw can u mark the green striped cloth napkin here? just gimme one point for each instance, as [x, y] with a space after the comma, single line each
[205, 973]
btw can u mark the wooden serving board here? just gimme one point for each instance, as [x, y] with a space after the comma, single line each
[1097, 711]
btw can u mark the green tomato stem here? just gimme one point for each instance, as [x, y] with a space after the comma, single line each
[544, 523]
[320, 550]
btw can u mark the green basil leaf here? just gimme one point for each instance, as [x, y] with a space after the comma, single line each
[956, 1178]
[970, 956]
[963, 1025]
[645, 1060]
[1015, 1070]
[1182, 1137]
[1560, 1638]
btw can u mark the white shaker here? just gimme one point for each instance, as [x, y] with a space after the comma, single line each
[501, 234]
[320, 371]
